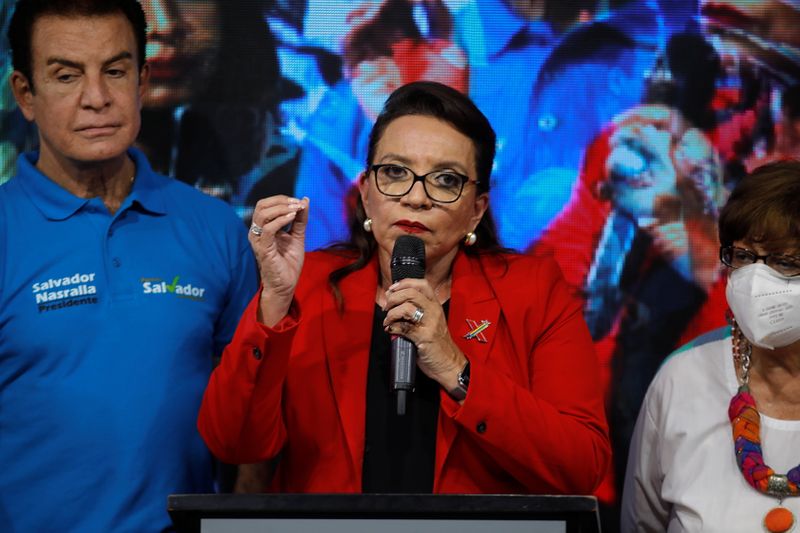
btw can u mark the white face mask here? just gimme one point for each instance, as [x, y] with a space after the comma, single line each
[766, 305]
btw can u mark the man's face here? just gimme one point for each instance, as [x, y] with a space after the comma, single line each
[86, 94]
[182, 48]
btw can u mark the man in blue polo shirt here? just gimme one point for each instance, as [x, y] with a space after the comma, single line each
[117, 288]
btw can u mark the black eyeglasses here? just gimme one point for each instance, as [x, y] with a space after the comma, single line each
[443, 186]
[735, 257]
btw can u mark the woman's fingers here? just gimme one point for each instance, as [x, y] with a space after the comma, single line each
[410, 303]
[279, 254]
[407, 289]
[409, 313]
[273, 213]
[301, 218]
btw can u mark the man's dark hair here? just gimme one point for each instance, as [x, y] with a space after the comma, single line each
[763, 208]
[27, 12]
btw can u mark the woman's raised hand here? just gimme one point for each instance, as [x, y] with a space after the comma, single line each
[279, 253]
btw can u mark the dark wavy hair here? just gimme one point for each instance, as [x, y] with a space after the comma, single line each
[27, 12]
[430, 99]
[763, 208]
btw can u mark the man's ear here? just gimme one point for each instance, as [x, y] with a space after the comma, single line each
[144, 82]
[22, 89]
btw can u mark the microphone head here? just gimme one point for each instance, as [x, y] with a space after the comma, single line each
[408, 258]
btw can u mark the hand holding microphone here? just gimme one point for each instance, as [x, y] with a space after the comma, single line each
[416, 320]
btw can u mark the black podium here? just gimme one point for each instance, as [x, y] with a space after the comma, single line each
[382, 513]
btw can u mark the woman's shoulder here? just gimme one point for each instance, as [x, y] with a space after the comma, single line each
[699, 371]
[706, 350]
[513, 265]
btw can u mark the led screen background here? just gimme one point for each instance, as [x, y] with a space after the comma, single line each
[621, 126]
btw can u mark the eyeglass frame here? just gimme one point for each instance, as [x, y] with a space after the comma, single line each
[417, 177]
[757, 258]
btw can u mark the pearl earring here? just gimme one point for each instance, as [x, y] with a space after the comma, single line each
[367, 225]
[470, 239]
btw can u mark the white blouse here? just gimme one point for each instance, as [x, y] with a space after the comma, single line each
[682, 473]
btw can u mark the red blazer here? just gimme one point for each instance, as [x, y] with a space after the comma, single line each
[532, 422]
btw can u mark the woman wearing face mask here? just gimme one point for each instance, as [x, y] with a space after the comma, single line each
[717, 442]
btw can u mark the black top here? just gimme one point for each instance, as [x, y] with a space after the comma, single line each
[399, 451]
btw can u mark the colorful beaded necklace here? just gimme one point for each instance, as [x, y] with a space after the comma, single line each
[746, 424]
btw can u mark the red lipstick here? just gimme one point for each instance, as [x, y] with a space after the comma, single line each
[410, 226]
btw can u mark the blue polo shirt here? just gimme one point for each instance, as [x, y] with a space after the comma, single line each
[108, 326]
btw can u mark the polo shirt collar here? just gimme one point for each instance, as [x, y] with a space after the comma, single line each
[56, 203]
[148, 189]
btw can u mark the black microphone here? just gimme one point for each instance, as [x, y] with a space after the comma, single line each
[408, 261]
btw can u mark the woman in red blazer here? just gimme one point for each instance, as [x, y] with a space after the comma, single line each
[507, 397]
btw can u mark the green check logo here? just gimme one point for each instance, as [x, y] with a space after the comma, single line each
[171, 287]
[159, 286]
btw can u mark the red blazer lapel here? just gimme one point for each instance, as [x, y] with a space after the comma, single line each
[472, 300]
[346, 341]
[347, 336]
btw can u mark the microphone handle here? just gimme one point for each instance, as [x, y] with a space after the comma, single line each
[401, 402]
[404, 366]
